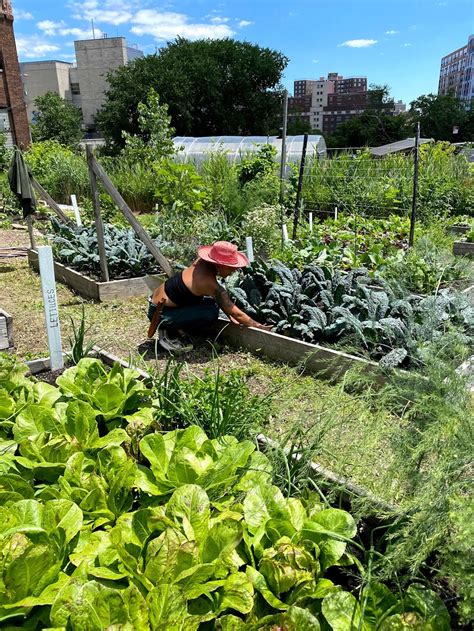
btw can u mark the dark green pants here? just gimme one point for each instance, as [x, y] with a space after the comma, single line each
[192, 320]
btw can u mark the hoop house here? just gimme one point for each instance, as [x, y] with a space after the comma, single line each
[191, 149]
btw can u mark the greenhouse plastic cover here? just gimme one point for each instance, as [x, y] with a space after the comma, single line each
[235, 147]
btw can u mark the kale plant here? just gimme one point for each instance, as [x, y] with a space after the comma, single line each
[127, 256]
[319, 305]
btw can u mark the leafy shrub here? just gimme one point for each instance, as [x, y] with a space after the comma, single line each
[262, 224]
[59, 170]
[425, 268]
[318, 304]
[178, 186]
[257, 164]
[77, 247]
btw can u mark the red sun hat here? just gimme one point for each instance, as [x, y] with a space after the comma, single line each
[223, 253]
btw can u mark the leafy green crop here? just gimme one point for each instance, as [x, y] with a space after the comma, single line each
[127, 257]
[318, 304]
[188, 534]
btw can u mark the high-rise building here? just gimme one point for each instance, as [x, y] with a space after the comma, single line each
[84, 83]
[13, 118]
[326, 102]
[456, 75]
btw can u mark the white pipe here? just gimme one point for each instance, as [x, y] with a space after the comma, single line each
[311, 222]
[50, 302]
[76, 210]
[249, 246]
[285, 233]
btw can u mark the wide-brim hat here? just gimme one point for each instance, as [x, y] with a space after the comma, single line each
[223, 253]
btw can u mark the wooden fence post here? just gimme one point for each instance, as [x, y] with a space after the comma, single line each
[50, 201]
[123, 207]
[99, 226]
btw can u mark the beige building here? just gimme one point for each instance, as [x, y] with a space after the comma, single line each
[456, 75]
[83, 83]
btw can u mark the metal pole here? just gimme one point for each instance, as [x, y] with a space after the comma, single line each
[300, 186]
[283, 146]
[99, 226]
[415, 187]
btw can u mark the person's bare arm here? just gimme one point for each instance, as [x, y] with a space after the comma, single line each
[230, 309]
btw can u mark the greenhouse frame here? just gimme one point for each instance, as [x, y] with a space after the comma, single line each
[195, 149]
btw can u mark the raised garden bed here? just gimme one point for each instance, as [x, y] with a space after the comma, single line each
[463, 248]
[460, 228]
[6, 331]
[100, 291]
[325, 362]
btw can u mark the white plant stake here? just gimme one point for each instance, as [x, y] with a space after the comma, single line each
[285, 233]
[51, 313]
[311, 222]
[335, 213]
[249, 245]
[76, 210]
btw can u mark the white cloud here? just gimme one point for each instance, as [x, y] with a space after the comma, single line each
[49, 27]
[391, 32]
[31, 47]
[111, 11]
[167, 25]
[219, 20]
[19, 14]
[406, 45]
[315, 61]
[243, 23]
[60, 28]
[359, 43]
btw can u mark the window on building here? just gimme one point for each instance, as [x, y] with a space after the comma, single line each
[75, 88]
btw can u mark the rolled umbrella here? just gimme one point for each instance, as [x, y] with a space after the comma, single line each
[19, 178]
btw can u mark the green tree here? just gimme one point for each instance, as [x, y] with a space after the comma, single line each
[438, 114]
[56, 119]
[212, 87]
[297, 125]
[375, 126]
[155, 137]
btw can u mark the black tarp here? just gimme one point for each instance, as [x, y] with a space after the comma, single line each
[19, 178]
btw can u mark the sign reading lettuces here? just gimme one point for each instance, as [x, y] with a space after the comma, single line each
[127, 256]
[106, 522]
[322, 305]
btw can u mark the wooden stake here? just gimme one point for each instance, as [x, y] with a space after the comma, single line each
[141, 233]
[29, 223]
[50, 201]
[99, 226]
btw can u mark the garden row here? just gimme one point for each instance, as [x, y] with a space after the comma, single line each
[109, 519]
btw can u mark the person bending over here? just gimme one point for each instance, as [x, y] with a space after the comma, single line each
[188, 303]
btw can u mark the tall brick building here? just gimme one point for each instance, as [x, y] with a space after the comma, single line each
[13, 118]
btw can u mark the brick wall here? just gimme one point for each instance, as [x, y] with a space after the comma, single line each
[11, 86]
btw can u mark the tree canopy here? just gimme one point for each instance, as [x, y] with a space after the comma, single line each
[438, 114]
[376, 126]
[56, 119]
[210, 86]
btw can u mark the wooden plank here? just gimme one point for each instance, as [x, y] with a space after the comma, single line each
[99, 226]
[6, 331]
[141, 233]
[130, 287]
[463, 248]
[50, 201]
[90, 288]
[325, 362]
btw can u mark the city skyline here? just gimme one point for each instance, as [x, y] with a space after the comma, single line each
[396, 43]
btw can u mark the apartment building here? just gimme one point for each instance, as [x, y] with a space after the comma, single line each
[83, 83]
[326, 102]
[456, 75]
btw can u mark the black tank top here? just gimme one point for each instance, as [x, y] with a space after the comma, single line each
[178, 293]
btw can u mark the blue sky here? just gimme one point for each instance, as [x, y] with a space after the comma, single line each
[398, 42]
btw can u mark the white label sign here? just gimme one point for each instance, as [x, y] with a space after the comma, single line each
[50, 302]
